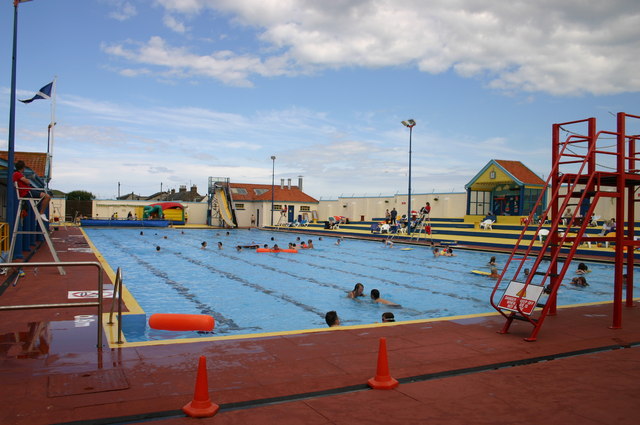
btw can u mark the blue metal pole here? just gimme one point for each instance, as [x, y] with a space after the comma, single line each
[10, 212]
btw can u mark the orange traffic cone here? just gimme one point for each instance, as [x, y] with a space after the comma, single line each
[201, 406]
[382, 380]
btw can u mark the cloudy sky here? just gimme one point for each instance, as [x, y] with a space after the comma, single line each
[170, 92]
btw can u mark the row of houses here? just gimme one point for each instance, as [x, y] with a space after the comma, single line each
[506, 188]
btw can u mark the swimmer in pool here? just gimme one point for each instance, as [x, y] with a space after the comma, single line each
[492, 261]
[375, 296]
[310, 244]
[276, 247]
[238, 248]
[203, 245]
[579, 281]
[157, 247]
[388, 317]
[332, 319]
[358, 291]
[219, 245]
[494, 272]
[582, 269]
[388, 243]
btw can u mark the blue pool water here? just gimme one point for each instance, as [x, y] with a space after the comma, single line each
[249, 292]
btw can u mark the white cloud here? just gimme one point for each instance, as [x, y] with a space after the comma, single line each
[123, 10]
[224, 65]
[562, 48]
[173, 24]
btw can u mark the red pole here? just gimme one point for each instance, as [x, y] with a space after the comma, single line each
[619, 256]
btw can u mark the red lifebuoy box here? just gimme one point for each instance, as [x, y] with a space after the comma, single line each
[181, 322]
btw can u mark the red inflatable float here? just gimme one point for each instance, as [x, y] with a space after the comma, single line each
[276, 250]
[181, 322]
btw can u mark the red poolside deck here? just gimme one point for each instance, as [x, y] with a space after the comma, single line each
[451, 372]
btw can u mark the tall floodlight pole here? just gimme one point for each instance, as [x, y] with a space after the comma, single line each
[273, 175]
[409, 123]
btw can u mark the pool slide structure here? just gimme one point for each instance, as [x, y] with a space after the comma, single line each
[224, 205]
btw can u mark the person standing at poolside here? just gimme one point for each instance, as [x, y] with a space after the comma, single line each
[387, 217]
[394, 214]
[253, 220]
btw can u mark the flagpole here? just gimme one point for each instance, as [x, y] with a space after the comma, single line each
[10, 210]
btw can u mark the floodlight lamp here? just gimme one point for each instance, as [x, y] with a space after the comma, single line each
[409, 123]
[273, 157]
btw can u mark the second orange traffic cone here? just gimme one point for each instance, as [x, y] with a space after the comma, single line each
[201, 405]
[382, 380]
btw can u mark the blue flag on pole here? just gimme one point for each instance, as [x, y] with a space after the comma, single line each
[43, 93]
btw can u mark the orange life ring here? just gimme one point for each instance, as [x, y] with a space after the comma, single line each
[181, 322]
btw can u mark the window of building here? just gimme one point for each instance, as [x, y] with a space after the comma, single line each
[259, 192]
[479, 203]
[239, 206]
[530, 196]
[277, 207]
[239, 190]
[305, 208]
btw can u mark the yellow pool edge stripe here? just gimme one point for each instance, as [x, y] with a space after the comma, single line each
[336, 329]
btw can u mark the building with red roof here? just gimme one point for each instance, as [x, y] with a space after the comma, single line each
[504, 188]
[252, 203]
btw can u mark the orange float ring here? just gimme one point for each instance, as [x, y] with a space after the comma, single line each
[181, 322]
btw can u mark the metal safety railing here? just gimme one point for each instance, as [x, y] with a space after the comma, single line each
[117, 294]
[97, 303]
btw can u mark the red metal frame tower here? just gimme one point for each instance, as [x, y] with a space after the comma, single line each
[586, 168]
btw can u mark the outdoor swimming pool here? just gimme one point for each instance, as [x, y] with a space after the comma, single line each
[249, 292]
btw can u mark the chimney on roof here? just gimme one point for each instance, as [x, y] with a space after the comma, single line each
[281, 183]
[300, 183]
[183, 188]
[173, 191]
[194, 189]
[289, 184]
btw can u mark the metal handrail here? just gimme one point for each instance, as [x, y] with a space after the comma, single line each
[117, 293]
[64, 305]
